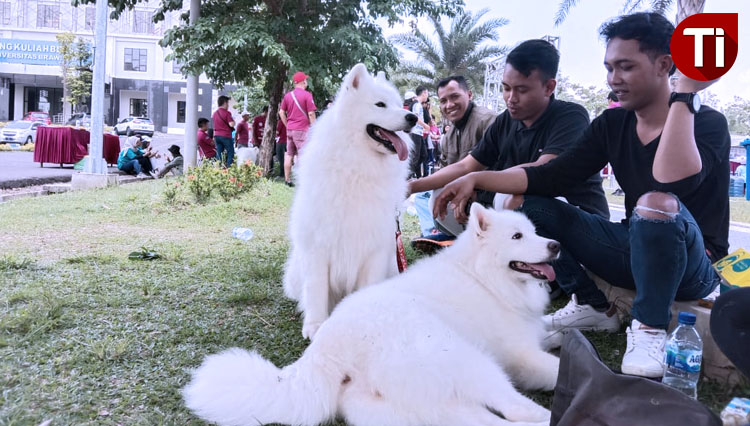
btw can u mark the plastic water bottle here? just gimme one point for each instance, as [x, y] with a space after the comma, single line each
[683, 354]
[244, 234]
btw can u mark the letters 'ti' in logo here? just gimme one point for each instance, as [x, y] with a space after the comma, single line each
[704, 46]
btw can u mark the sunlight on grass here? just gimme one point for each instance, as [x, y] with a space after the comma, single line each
[88, 336]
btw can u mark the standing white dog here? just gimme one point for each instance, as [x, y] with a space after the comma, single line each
[352, 178]
[433, 346]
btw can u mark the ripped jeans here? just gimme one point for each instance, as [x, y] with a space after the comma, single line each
[662, 260]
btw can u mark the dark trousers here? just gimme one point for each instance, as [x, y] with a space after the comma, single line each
[280, 151]
[418, 155]
[662, 260]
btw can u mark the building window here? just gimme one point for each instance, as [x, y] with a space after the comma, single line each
[138, 107]
[143, 22]
[176, 67]
[5, 13]
[135, 59]
[90, 18]
[48, 16]
[181, 111]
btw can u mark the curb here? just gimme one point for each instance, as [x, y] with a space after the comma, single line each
[56, 187]
[34, 181]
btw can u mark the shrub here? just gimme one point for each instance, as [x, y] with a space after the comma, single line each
[211, 178]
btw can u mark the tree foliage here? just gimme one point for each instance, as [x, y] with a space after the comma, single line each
[75, 66]
[593, 98]
[461, 49]
[738, 116]
[685, 8]
[243, 41]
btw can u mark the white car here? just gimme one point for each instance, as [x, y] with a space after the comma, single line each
[135, 125]
[22, 132]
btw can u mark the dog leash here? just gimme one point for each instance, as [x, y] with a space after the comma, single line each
[400, 253]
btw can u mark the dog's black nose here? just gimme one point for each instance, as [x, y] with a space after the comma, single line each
[411, 119]
[553, 247]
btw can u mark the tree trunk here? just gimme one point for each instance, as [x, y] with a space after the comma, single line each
[686, 8]
[267, 147]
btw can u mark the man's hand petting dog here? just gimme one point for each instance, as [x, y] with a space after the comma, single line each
[457, 195]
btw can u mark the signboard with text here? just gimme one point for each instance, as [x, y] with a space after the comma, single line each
[29, 52]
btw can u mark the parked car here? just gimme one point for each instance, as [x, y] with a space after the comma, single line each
[83, 119]
[135, 125]
[37, 116]
[21, 132]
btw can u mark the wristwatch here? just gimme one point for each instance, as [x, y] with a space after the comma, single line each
[692, 100]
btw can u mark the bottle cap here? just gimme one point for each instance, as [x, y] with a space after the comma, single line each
[686, 318]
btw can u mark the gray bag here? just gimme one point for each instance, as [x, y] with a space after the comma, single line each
[588, 393]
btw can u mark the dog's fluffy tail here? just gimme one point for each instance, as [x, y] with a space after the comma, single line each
[237, 387]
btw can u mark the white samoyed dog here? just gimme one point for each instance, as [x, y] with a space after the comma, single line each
[441, 344]
[352, 179]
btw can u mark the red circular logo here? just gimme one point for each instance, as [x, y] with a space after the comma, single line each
[704, 46]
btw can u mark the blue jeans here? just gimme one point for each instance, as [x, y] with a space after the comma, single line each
[662, 260]
[426, 221]
[132, 166]
[224, 144]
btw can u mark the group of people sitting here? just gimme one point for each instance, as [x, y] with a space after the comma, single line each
[138, 158]
[542, 156]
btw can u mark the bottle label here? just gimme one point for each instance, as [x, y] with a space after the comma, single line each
[685, 360]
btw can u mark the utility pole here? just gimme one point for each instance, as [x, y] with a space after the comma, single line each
[191, 107]
[95, 167]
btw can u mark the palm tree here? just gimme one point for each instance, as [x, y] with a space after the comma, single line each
[685, 8]
[460, 50]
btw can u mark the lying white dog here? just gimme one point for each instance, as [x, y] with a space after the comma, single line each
[352, 178]
[433, 346]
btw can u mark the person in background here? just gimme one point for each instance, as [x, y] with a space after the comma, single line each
[280, 145]
[133, 159]
[259, 124]
[612, 99]
[223, 128]
[297, 112]
[206, 145]
[242, 134]
[174, 164]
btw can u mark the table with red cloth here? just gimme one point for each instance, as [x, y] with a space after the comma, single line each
[66, 145]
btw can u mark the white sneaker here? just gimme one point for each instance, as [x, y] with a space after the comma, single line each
[141, 175]
[582, 317]
[644, 355]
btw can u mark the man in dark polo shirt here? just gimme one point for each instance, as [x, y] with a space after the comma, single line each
[671, 158]
[534, 129]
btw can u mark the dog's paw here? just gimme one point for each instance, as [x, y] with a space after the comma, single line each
[528, 413]
[309, 329]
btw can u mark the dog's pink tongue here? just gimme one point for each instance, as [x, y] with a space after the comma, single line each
[401, 150]
[546, 269]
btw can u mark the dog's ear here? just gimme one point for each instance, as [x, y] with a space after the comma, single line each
[356, 75]
[381, 76]
[478, 219]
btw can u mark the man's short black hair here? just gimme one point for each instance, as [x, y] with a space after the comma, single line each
[202, 121]
[652, 30]
[533, 55]
[223, 99]
[459, 79]
[419, 90]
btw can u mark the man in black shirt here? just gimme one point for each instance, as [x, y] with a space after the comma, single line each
[671, 157]
[534, 129]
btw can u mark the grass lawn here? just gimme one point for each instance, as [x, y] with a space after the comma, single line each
[90, 337]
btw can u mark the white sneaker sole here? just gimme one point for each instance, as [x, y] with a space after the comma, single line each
[642, 372]
[611, 328]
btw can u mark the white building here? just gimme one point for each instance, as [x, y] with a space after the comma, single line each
[140, 82]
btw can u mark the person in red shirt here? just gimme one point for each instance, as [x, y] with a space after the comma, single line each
[280, 145]
[242, 135]
[298, 114]
[259, 123]
[223, 128]
[206, 145]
